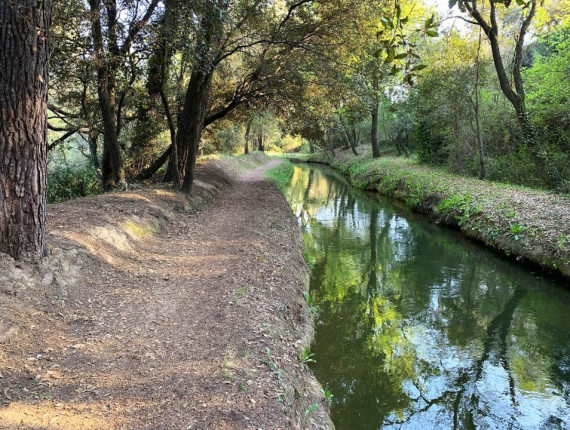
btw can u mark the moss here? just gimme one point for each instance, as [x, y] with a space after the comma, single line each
[139, 230]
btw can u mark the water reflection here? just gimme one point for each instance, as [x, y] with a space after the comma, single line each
[419, 328]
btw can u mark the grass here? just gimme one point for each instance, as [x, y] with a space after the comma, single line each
[519, 221]
[281, 175]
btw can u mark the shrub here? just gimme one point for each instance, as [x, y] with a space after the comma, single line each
[69, 182]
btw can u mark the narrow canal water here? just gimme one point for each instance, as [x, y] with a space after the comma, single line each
[417, 327]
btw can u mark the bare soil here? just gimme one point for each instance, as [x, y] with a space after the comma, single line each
[154, 311]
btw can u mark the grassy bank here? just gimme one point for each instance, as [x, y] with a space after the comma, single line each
[281, 175]
[529, 224]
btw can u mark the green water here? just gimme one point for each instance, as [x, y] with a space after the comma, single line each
[418, 327]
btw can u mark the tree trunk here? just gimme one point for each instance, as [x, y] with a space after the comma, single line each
[247, 130]
[546, 169]
[157, 164]
[112, 165]
[352, 137]
[24, 57]
[400, 145]
[92, 142]
[150, 122]
[191, 123]
[478, 130]
[374, 130]
[261, 147]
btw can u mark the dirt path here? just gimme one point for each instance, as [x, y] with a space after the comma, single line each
[196, 326]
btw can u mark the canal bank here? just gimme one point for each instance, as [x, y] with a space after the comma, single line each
[418, 327]
[530, 225]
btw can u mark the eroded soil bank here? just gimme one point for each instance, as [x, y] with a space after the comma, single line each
[531, 225]
[153, 311]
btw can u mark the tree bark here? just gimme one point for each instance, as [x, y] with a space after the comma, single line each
[261, 146]
[190, 125]
[150, 121]
[479, 131]
[112, 163]
[516, 95]
[24, 58]
[153, 168]
[92, 141]
[247, 130]
[351, 136]
[374, 130]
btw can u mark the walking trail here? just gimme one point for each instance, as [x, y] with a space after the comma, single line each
[151, 315]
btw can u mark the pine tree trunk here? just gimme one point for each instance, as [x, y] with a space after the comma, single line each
[24, 57]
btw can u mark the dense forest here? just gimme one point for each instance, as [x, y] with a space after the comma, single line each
[138, 87]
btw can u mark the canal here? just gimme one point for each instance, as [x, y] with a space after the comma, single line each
[418, 327]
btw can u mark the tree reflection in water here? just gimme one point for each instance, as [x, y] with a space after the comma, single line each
[419, 327]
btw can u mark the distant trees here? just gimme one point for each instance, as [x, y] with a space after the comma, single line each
[24, 55]
[141, 81]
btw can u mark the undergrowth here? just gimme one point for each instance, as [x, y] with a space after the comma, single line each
[70, 182]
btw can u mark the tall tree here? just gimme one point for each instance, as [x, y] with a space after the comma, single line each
[150, 119]
[24, 57]
[512, 83]
[252, 29]
[110, 46]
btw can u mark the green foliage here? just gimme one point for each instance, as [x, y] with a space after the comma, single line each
[313, 309]
[431, 145]
[328, 397]
[309, 260]
[306, 357]
[460, 207]
[281, 175]
[69, 182]
[515, 168]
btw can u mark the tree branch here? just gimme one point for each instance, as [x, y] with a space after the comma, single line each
[62, 139]
[136, 27]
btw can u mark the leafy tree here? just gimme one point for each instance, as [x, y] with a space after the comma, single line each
[485, 15]
[113, 40]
